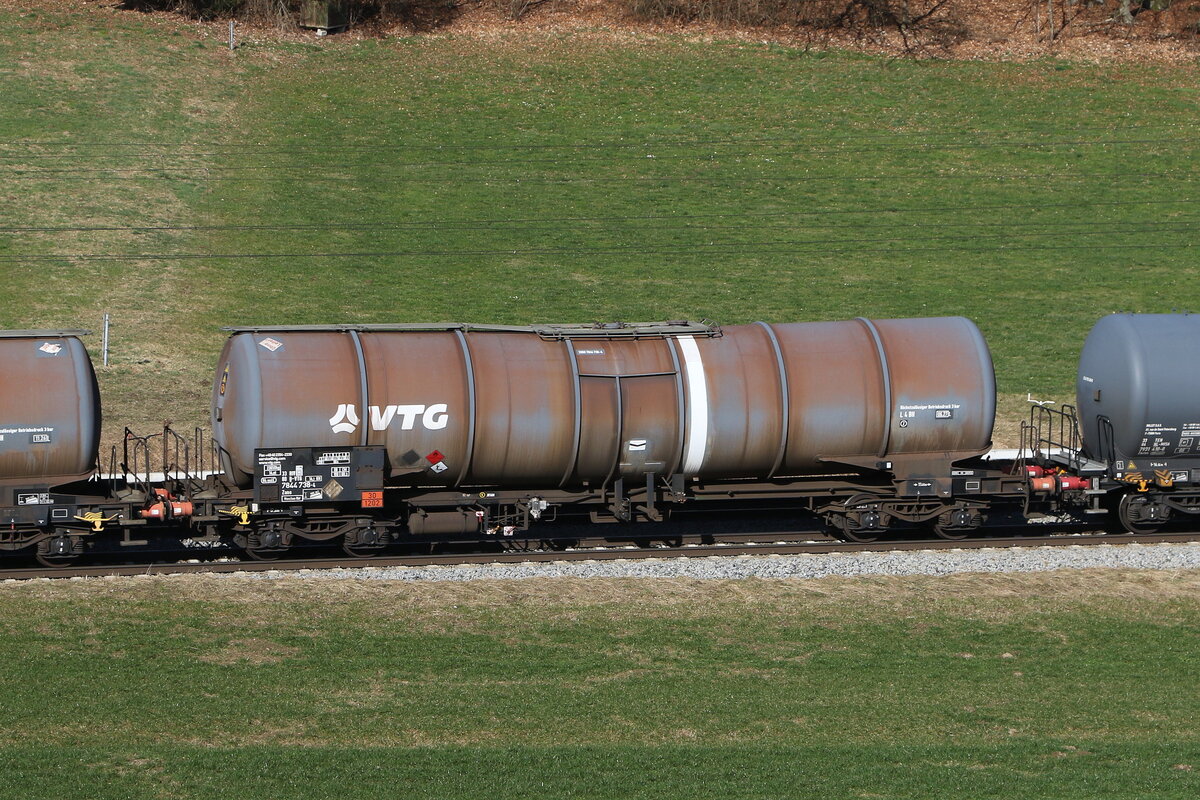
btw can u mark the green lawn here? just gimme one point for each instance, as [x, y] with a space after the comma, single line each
[148, 172]
[1058, 685]
[540, 176]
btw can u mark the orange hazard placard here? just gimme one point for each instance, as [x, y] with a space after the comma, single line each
[372, 499]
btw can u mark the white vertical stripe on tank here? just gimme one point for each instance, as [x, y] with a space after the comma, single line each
[697, 406]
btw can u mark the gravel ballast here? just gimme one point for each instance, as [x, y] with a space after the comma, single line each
[794, 567]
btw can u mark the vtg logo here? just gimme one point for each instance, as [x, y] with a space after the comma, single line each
[345, 419]
[433, 417]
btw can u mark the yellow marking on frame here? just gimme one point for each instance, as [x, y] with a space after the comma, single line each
[97, 519]
[241, 512]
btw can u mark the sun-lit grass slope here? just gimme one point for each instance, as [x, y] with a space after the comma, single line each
[546, 177]
[78, 86]
[1057, 685]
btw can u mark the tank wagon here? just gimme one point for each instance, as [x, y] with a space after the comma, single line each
[458, 429]
[1137, 416]
[53, 499]
[367, 436]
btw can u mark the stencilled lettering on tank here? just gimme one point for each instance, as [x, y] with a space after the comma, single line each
[433, 417]
[37, 433]
[1189, 439]
[907, 412]
[1158, 439]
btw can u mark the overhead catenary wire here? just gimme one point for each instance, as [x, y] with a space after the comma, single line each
[762, 246]
[557, 223]
[630, 141]
[1177, 176]
[808, 151]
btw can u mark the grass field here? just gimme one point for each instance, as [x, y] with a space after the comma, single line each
[150, 173]
[537, 177]
[1058, 685]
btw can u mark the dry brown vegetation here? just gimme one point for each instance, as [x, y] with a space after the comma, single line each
[1096, 30]
[452, 605]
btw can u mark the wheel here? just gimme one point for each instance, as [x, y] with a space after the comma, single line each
[260, 554]
[951, 533]
[55, 561]
[57, 552]
[265, 545]
[853, 531]
[1142, 514]
[955, 524]
[862, 521]
[364, 542]
[361, 550]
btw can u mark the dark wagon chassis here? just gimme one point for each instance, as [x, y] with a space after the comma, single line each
[371, 491]
[189, 509]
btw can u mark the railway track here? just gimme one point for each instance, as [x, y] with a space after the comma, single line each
[594, 553]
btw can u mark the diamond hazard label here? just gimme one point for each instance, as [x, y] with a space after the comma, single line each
[435, 457]
[439, 467]
[270, 344]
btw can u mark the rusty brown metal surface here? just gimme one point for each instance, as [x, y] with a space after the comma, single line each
[631, 409]
[419, 392]
[745, 403]
[525, 410]
[49, 408]
[942, 385]
[282, 390]
[835, 390]
[520, 407]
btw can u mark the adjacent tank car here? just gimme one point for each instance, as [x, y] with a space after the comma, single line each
[1138, 401]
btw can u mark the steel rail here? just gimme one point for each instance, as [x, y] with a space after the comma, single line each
[630, 552]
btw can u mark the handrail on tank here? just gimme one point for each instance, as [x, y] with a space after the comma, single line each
[53, 333]
[1055, 428]
[1106, 439]
[173, 445]
[140, 456]
[112, 469]
[595, 330]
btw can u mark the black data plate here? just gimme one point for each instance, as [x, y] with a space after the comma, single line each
[317, 474]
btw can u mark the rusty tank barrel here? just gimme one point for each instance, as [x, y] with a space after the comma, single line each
[49, 409]
[573, 406]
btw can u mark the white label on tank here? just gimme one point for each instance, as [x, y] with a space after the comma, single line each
[697, 412]
[270, 344]
[929, 406]
[637, 444]
[591, 352]
[51, 348]
[1087, 379]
